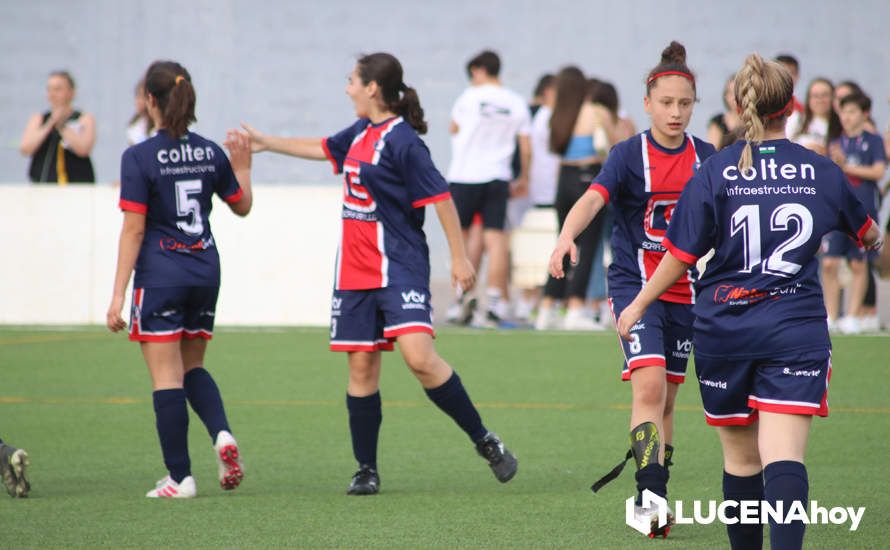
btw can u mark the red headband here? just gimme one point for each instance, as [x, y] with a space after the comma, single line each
[783, 110]
[669, 73]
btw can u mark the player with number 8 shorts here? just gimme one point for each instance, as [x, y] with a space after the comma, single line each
[763, 354]
[643, 177]
[167, 184]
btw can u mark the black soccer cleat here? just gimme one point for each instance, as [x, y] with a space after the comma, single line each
[364, 482]
[500, 459]
[13, 464]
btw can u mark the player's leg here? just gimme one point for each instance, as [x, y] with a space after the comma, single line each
[200, 388]
[365, 417]
[156, 322]
[742, 480]
[13, 469]
[468, 203]
[788, 391]
[858, 287]
[497, 245]
[678, 335]
[833, 248]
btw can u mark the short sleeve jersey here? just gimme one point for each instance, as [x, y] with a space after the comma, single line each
[172, 182]
[865, 149]
[644, 180]
[389, 177]
[760, 293]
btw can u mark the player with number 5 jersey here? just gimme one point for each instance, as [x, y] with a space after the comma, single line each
[167, 186]
[763, 354]
[643, 177]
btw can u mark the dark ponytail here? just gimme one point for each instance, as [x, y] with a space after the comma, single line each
[386, 71]
[673, 62]
[171, 86]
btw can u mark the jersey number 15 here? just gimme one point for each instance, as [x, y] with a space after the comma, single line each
[746, 220]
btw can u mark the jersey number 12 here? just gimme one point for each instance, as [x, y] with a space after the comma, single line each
[746, 220]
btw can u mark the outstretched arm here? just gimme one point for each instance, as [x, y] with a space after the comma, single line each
[307, 148]
[669, 270]
[462, 272]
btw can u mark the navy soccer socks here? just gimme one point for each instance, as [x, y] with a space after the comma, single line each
[365, 417]
[204, 396]
[453, 399]
[738, 488]
[172, 420]
[786, 481]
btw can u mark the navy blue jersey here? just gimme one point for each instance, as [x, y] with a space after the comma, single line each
[760, 294]
[172, 182]
[865, 149]
[644, 180]
[388, 177]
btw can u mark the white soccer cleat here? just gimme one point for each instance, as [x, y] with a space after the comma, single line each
[228, 460]
[650, 516]
[167, 488]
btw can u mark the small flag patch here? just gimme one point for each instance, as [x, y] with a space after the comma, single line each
[767, 150]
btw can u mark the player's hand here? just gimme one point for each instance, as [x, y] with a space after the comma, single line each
[463, 274]
[113, 319]
[563, 246]
[258, 141]
[837, 154]
[238, 145]
[629, 317]
[519, 188]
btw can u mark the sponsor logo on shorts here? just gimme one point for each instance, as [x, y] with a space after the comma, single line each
[414, 300]
[684, 348]
[335, 305]
[638, 326]
[810, 373]
[719, 384]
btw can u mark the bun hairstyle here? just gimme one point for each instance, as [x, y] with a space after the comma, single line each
[386, 71]
[763, 93]
[673, 63]
[171, 86]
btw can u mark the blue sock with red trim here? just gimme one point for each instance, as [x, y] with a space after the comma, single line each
[738, 488]
[205, 399]
[365, 417]
[172, 421]
[453, 399]
[786, 481]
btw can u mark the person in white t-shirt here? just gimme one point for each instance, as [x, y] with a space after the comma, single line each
[486, 121]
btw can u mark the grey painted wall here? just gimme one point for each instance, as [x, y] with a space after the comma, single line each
[282, 65]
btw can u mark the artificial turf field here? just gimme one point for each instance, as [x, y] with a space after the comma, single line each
[80, 402]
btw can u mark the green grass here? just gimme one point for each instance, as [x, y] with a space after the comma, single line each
[80, 403]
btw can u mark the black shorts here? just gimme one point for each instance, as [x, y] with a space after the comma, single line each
[487, 199]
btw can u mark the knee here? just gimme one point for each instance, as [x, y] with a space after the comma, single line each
[363, 371]
[830, 266]
[422, 362]
[650, 394]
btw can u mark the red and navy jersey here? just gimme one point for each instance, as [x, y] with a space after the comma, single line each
[389, 177]
[172, 182]
[644, 180]
[760, 294]
[865, 149]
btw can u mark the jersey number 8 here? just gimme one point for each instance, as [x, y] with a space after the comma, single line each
[186, 206]
[746, 220]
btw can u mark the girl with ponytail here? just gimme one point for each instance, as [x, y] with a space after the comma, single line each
[381, 286]
[762, 349]
[643, 177]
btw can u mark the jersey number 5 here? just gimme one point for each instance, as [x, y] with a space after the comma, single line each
[746, 220]
[189, 207]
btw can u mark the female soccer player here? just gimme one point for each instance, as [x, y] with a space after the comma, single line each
[763, 356]
[381, 289]
[644, 176]
[167, 183]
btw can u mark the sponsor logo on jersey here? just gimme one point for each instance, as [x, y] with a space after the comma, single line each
[738, 295]
[169, 243]
[185, 153]
[770, 170]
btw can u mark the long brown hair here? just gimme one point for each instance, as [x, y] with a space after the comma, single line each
[571, 92]
[763, 92]
[386, 71]
[171, 86]
[834, 121]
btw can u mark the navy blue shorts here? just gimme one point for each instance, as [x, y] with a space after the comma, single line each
[168, 314]
[487, 199]
[370, 320]
[662, 338]
[733, 390]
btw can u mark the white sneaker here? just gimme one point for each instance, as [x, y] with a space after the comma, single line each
[650, 516]
[870, 324]
[832, 326]
[228, 461]
[849, 325]
[576, 320]
[523, 310]
[167, 488]
[547, 319]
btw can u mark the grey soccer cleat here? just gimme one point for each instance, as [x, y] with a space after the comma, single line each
[13, 463]
[500, 459]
